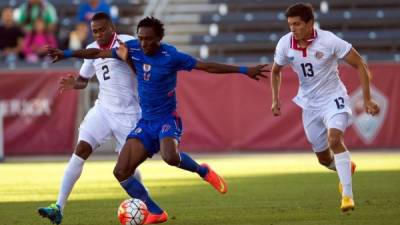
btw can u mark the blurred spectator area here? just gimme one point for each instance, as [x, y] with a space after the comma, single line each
[237, 31]
[246, 31]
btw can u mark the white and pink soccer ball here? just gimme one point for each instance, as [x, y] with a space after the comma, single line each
[132, 212]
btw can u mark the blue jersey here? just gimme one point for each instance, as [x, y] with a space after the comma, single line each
[156, 76]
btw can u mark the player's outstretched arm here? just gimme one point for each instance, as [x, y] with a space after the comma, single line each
[255, 72]
[90, 53]
[275, 88]
[355, 60]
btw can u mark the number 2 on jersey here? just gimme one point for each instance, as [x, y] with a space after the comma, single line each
[307, 69]
[105, 72]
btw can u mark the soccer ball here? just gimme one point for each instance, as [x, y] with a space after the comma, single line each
[132, 212]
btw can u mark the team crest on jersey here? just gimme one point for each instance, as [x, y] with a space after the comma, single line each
[319, 55]
[146, 70]
[366, 126]
[146, 67]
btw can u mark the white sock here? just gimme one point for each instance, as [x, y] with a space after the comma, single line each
[72, 173]
[343, 168]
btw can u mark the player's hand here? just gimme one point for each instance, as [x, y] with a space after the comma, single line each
[257, 72]
[66, 83]
[122, 50]
[371, 107]
[276, 108]
[55, 53]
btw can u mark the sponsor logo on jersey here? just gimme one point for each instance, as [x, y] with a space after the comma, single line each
[165, 128]
[366, 126]
[138, 130]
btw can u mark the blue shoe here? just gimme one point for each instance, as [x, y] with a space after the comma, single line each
[53, 212]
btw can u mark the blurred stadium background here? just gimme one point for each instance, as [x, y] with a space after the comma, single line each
[225, 114]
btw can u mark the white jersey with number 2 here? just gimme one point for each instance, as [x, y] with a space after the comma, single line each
[117, 82]
[316, 66]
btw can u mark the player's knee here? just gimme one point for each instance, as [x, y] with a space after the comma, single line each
[83, 150]
[120, 174]
[334, 142]
[325, 161]
[172, 160]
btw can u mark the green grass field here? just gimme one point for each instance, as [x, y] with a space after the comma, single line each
[264, 189]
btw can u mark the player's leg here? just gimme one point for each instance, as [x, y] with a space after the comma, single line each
[138, 147]
[316, 134]
[131, 156]
[326, 159]
[336, 127]
[92, 133]
[170, 134]
[122, 124]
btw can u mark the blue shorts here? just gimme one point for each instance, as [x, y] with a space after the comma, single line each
[150, 132]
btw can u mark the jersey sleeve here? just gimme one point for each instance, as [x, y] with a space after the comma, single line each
[280, 56]
[87, 69]
[184, 61]
[340, 46]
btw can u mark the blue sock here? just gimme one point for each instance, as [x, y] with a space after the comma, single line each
[135, 189]
[187, 163]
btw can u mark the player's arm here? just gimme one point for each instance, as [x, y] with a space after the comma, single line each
[70, 82]
[275, 88]
[354, 59]
[255, 72]
[89, 53]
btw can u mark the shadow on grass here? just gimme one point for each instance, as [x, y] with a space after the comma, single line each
[286, 199]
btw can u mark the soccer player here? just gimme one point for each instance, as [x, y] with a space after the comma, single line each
[159, 130]
[313, 54]
[115, 113]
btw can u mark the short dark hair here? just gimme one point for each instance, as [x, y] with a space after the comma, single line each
[153, 22]
[102, 16]
[303, 10]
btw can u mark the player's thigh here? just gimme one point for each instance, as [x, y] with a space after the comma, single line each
[337, 125]
[170, 135]
[169, 151]
[122, 125]
[94, 129]
[131, 156]
[315, 130]
[147, 136]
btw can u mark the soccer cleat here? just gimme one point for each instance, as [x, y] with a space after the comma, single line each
[353, 169]
[53, 212]
[215, 180]
[347, 204]
[156, 218]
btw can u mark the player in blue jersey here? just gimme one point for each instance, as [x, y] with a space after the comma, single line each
[159, 130]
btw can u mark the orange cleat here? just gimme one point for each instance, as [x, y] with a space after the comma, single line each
[215, 180]
[156, 218]
[353, 169]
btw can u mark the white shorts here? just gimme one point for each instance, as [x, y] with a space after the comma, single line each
[100, 124]
[335, 114]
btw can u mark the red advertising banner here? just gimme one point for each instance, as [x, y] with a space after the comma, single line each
[232, 112]
[36, 118]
